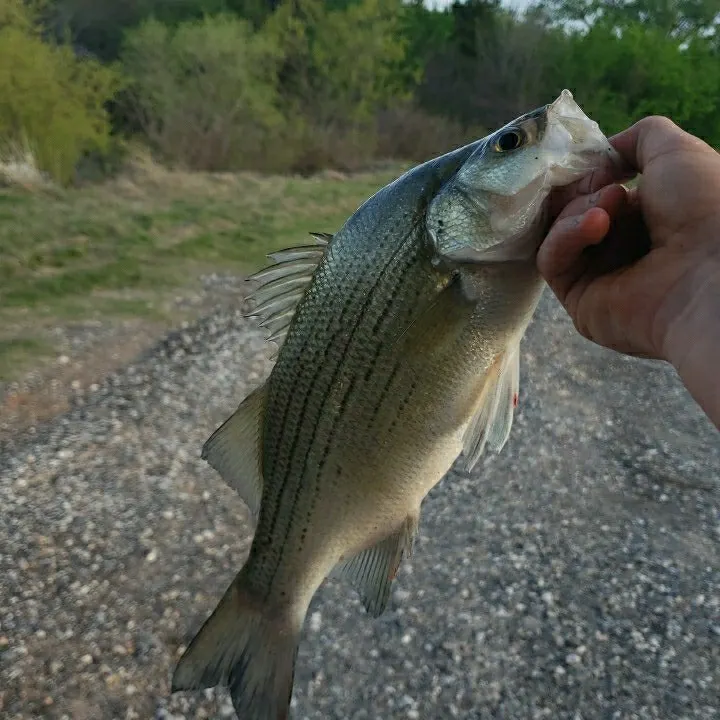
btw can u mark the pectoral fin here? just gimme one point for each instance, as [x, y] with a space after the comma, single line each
[235, 450]
[372, 571]
[494, 417]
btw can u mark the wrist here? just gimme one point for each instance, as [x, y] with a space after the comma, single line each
[692, 339]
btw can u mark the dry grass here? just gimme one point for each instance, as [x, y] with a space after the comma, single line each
[18, 168]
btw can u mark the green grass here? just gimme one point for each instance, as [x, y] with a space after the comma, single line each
[116, 249]
[20, 352]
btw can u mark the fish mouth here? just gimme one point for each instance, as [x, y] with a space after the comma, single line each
[573, 146]
[578, 138]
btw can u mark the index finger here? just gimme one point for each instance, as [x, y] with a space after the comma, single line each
[589, 184]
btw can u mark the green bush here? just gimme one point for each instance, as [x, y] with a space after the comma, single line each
[405, 132]
[100, 25]
[342, 63]
[205, 92]
[52, 103]
[619, 78]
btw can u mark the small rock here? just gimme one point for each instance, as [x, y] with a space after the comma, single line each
[573, 659]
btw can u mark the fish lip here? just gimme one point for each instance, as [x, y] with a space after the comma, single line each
[590, 142]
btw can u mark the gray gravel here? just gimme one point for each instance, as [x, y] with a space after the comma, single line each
[576, 575]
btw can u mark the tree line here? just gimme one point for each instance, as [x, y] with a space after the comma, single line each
[299, 85]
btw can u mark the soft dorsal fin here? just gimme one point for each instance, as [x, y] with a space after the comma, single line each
[235, 450]
[283, 284]
[372, 571]
[493, 420]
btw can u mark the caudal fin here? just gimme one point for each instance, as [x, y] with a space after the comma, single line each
[242, 646]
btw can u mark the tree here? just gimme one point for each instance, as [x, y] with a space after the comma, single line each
[98, 26]
[339, 65]
[205, 92]
[51, 101]
[676, 18]
[493, 68]
[619, 78]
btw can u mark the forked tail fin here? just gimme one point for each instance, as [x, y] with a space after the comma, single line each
[251, 651]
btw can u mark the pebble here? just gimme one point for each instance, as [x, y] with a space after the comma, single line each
[533, 591]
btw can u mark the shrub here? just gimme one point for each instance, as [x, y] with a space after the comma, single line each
[205, 92]
[621, 77]
[51, 102]
[407, 132]
[341, 63]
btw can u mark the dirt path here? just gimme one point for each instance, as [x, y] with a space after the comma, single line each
[88, 351]
[576, 575]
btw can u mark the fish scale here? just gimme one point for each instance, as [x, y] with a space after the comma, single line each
[304, 385]
[330, 388]
[399, 355]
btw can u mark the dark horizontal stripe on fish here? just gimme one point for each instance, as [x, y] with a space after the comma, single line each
[318, 360]
[359, 387]
[315, 358]
[306, 422]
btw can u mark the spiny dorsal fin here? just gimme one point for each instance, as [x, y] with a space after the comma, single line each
[282, 285]
[493, 420]
[235, 450]
[372, 571]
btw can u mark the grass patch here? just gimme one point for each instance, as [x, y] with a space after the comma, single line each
[116, 249]
[20, 352]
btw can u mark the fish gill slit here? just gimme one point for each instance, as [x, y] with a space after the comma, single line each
[369, 298]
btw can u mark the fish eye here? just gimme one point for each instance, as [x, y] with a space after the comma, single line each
[510, 140]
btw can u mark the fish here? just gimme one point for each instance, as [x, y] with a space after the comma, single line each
[398, 359]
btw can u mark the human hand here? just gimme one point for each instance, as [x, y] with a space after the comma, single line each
[638, 270]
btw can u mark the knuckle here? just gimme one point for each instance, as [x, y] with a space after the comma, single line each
[658, 122]
[659, 135]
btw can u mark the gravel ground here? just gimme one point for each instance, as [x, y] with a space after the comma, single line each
[576, 575]
[87, 350]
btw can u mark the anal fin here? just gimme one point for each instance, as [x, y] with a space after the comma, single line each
[372, 571]
[235, 450]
